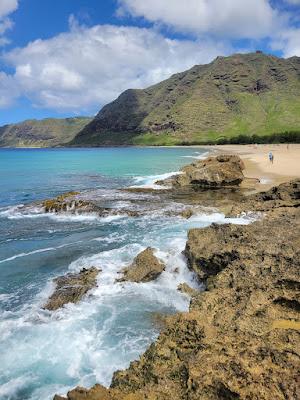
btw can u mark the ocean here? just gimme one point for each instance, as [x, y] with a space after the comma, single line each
[42, 352]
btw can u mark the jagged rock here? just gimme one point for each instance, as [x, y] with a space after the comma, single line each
[214, 172]
[71, 203]
[67, 202]
[145, 267]
[71, 288]
[97, 392]
[185, 288]
[279, 197]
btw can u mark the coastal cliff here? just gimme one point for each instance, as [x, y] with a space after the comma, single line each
[240, 338]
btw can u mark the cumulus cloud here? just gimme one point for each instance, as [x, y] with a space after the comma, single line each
[288, 41]
[88, 67]
[8, 90]
[6, 8]
[227, 18]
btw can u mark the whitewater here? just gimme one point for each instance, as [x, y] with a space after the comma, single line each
[42, 352]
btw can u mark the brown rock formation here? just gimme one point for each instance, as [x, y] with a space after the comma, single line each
[185, 288]
[276, 199]
[145, 267]
[213, 172]
[67, 202]
[240, 339]
[71, 288]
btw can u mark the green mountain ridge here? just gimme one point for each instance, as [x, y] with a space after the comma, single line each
[49, 132]
[243, 94]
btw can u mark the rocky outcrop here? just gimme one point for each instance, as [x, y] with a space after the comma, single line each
[71, 288]
[69, 202]
[145, 267]
[276, 199]
[240, 338]
[213, 172]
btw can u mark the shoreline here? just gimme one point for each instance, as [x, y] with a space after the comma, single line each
[286, 164]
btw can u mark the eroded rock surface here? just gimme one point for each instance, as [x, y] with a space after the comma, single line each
[72, 203]
[276, 199]
[145, 267]
[213, 172]
[240, 339]
[71, 288]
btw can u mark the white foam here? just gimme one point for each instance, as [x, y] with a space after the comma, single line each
[148, 182]
[11, 388]
[265, 181]
[17, 212]
[199, 156]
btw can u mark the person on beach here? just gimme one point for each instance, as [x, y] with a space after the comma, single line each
[271, 157]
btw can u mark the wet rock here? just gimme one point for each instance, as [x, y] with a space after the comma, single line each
[145, 267]
[187, 213]
[213, 172]
[71, 288]
[185, 288]
[71, 203]
[68, 202]
[97, 392]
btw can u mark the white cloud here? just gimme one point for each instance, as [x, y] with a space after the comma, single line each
[6, 8]
[288, 41]
[88, 67]
[8, 90]
[225, 18]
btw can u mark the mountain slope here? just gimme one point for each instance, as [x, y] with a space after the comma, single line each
[241, 94]
[41, 133]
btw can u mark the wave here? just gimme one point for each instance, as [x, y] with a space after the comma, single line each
[199, 156]
[16, 213]
[148, 182]
[37, 251]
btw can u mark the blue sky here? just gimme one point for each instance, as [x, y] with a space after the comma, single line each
[70, 57]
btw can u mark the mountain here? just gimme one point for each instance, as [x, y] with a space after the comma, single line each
[48, 132]
[243, 94]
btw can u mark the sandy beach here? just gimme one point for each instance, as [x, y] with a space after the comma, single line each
[286, 165]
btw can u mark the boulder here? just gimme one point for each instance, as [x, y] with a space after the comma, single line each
[213, 172]
[145, 267]
[71, 288]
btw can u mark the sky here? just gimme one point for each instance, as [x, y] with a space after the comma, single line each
[63, 58]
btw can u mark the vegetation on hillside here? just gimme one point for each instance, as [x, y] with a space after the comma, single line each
[48, 132]
[244, 95]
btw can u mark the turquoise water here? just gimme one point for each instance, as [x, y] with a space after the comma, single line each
[43, 353]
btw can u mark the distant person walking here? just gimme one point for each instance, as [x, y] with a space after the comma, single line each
[271, 157]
